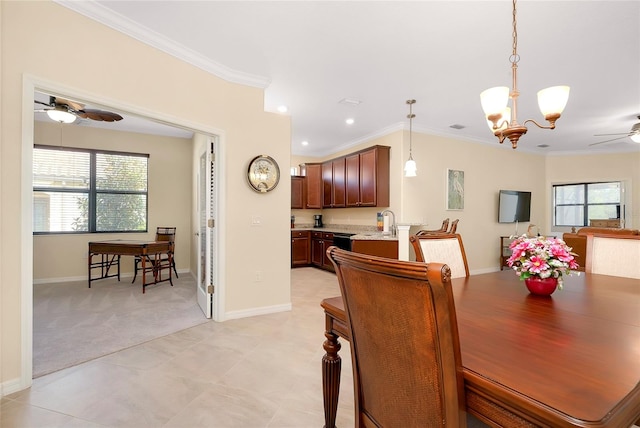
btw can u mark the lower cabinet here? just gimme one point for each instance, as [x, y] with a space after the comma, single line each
[300, 248]
[320, 241]
[381, 248]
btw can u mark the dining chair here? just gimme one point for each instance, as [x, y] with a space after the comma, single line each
[613, 254]
[442, 248]
[454, 226]
[405, 349]
[443, 228]
[163, 234]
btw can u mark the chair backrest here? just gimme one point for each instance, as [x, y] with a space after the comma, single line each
[442, 248]
[166, 234]
[405, 348]
[454, 226]
[611, 254]
[443, 228]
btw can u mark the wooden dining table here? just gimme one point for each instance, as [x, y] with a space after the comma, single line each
[568, 360]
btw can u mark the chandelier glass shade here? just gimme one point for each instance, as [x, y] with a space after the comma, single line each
[410, 167]
[503, 120]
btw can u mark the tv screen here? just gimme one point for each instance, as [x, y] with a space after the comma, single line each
[514, 206]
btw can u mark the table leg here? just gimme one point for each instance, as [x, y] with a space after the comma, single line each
[331, 367]
[89, 268]
[144, 272]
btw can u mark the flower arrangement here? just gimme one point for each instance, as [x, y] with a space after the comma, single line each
[541, 257]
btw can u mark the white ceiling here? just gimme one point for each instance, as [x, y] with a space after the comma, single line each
[309, 55]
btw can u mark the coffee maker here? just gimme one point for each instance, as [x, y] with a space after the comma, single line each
[317, 220]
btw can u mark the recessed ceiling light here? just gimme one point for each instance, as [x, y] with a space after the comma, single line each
[305, 143]
[543, 145]
[456, 126]
[349, 121]
[283, 109]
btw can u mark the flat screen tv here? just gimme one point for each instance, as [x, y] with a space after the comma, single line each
[514, 206]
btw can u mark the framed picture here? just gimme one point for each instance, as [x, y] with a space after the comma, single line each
[455, 189]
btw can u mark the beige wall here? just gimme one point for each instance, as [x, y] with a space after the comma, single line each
[109, 68]
[169, 197]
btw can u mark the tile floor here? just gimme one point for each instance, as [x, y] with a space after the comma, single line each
[254, 372]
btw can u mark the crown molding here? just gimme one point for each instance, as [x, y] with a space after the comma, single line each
[122, 24]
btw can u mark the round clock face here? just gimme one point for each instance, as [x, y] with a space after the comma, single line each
[263, 173]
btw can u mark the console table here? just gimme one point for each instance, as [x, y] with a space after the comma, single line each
[111, 251]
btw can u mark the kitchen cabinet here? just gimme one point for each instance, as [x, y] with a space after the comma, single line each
[298, 192]
[367, 178]
[333, 183]
[300, 248]
[376, 247]
[313, 184]
[320, 241]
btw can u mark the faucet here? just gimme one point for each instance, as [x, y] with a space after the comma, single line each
[394, 228]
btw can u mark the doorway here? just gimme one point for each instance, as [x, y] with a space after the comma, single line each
[29, 89]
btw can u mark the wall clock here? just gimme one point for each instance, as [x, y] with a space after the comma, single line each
[263, 173]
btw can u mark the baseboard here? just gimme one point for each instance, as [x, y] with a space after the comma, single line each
[84, 277]
[11, 386]
[257, 311]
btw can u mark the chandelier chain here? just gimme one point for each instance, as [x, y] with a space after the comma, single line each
[514, 55]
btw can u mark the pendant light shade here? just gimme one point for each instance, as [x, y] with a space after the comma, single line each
[410, 167]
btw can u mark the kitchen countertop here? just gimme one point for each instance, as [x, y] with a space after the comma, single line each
[362, 233]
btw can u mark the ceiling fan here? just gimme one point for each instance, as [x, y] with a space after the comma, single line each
[634, 133]
[63, 110]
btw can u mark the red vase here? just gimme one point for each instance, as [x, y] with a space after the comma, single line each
[541, 286]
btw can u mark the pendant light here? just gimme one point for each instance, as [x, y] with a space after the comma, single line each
[410, 166]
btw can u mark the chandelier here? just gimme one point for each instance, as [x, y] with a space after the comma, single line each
[410, 166]
[502, 120]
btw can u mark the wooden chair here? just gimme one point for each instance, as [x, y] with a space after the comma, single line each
[405, 348]
[443, 228]
[454, 226]
[442, 248]
[613, 254]
[162, 234]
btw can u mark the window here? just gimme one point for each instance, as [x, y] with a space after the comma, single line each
[576, 204]
[87, 191]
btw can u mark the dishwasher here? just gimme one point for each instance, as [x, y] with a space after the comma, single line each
[342, 240]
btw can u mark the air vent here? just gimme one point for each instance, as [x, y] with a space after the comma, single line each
[350, 101]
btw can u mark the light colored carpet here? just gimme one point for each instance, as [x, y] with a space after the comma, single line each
[73, 323]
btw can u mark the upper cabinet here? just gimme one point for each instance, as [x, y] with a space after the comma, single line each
[359, 179]
[367, 178]
[313, 184]
[333, 183]
[297, 192]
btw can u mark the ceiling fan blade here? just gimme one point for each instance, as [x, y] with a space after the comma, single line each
[606, 135]
[72, 104]
[99, 115]
[608, 141]
[41, 102]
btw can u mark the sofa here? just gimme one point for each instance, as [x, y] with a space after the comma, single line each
[578, 240]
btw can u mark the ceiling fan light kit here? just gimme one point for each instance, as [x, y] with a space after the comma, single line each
[502, 120]
[61, 115]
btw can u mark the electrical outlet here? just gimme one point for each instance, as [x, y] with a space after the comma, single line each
[258, 276]
[256, 220]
